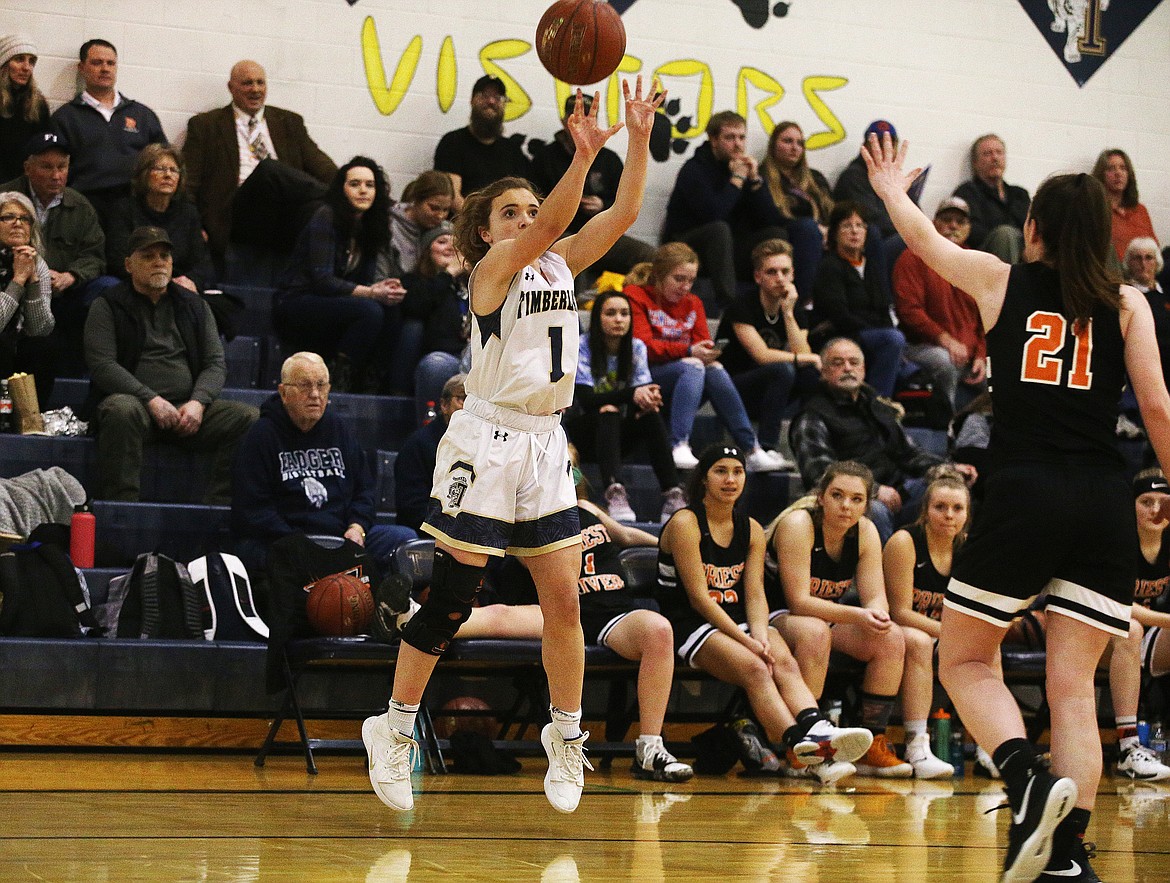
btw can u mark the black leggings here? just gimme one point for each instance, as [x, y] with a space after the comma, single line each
[606, 436]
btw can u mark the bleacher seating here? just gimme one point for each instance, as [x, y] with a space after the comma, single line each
[227, 679]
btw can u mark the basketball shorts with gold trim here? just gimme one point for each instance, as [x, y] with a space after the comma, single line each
[503, 483]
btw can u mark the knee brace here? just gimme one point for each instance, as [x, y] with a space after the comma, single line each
[453, 589]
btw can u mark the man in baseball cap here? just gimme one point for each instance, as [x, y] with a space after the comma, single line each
[74, 244]
[479, 154]
[944, 333]
[157, 371]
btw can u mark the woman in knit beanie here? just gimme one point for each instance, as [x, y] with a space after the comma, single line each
[23, 109]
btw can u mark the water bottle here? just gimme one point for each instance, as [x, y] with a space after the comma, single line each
[942, 734]
[1143, 734]
[82, 533]
[430, 414]
[6, 418]
[1158, 742]
[957, 758]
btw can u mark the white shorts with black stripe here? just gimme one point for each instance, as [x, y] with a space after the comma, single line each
[503, 483]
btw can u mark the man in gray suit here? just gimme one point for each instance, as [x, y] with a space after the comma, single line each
[225, 146]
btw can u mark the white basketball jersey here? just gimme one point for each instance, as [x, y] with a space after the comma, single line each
[524, 355]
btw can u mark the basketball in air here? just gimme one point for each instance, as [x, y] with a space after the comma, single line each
[340, 605]
[580, 41]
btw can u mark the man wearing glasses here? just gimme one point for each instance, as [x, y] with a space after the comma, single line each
[157, 370]
[479, 154]
[301, 470]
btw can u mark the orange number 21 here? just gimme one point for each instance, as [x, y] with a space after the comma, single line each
[1041, 364]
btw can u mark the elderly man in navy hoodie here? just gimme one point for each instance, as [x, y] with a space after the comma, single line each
[300, 469]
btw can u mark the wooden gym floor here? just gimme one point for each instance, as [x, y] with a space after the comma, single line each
[214, 817]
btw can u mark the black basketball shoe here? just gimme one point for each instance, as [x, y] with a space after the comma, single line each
[1045, 801]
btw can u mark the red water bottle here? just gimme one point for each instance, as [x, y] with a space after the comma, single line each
[82, 533]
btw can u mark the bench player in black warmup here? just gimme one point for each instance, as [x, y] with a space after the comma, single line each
[1058, 512]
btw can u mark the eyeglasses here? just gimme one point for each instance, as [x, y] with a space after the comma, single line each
[12, 218]
[308, 386]
[492, 96]
[165, 170]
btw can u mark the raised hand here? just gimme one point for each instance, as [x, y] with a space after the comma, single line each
[640, 111]
[884, 163]
[588, 137]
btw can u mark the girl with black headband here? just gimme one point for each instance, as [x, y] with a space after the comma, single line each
[711, 588]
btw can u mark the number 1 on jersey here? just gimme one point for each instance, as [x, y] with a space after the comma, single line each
[1040, 364]
[556, 341]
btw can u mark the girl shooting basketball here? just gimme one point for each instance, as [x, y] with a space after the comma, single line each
[502, 478]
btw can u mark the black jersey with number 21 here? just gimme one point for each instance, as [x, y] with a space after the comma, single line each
[1056, 383]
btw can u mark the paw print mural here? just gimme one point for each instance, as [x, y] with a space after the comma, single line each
[757, 12]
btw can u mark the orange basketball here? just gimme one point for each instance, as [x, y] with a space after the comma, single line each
[580, 41]
[340, 605]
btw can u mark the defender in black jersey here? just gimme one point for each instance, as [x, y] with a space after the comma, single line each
[1062, 334]
[710, 586]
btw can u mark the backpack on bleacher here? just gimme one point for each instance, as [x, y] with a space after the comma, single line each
[156, 599]
[41, 595]
[231, 613]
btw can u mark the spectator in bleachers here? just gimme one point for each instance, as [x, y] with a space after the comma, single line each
[105, 129]
[425, 204]
[301, 469]
[845, 420]
[224, 146]
[853, 184]
[26, 316]
[415, 465]
[157, 369]
[479, 153]
[436, 298]
[158, 200]
[331, 300]
[75, 246]
[767, 352]
[849, 299]
[617, 404]
[710, 587]
[943, 328]
[1131, 220]
[720, 207]
[23, 109]
[669, 318]
[803, 197]
[998, 209]
[550, 162]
